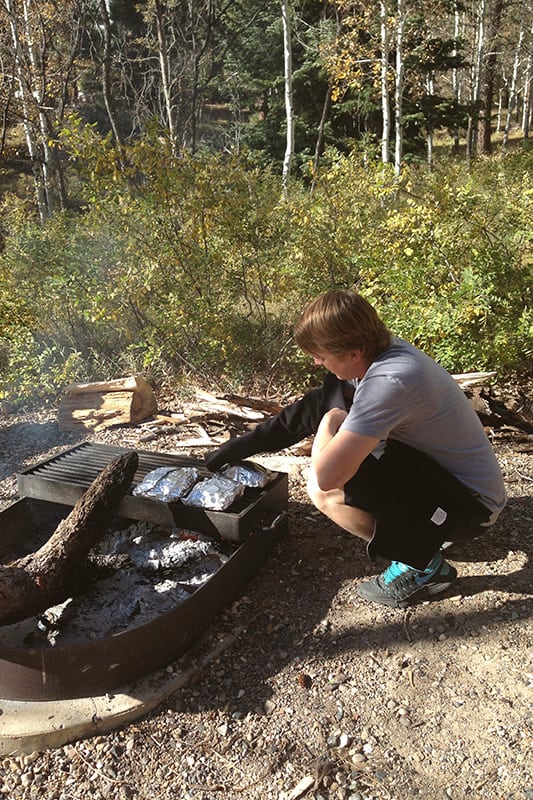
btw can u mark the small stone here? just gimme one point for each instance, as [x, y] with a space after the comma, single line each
[339, 678]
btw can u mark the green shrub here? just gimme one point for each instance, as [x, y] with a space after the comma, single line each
[196, 267]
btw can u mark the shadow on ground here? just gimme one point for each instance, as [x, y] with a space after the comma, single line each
[302, 606]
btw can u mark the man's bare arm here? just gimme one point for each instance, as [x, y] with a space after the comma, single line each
[337, 455]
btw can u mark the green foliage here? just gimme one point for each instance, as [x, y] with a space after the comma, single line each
[195, 266]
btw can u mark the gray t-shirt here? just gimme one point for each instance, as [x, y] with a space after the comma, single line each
[405, 395]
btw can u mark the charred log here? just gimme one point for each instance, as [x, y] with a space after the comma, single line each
[33, 583]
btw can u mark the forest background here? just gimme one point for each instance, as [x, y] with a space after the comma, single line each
[178, 178]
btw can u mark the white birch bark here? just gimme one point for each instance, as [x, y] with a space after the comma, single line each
[27, 106]
[35, 44]
[289, 111]
[475, 89]
[385, 99]
[106, 79]
[398, 91]
[456, 86]
[165, 72]
[430, 88]
[511, 104]
[528, 88]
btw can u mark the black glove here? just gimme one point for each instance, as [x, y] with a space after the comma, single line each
[231, 452]
[291, 425]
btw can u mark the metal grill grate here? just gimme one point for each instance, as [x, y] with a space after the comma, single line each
[64, 478]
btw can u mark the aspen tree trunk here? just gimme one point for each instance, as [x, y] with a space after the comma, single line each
[322, 124]
[528, 100]
[475, 96]
[398, 92]
[487, 77]
[106, 81]
[504, 89]
[32, 32]
[430, 88]
[199, 46]
[455, 75]
[289, 111]
[165, 71]
[36, 44]
[385, 100]
[511, 103]
[320, 135]
[26, 99]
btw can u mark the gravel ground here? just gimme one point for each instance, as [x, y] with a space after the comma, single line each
[302, 690]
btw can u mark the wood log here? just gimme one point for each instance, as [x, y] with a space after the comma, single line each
[133, 383]
[465, 379]
[257, 403]
[99, 405]
[39, 580]
[495, 413]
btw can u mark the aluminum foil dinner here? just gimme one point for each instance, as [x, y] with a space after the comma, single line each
[249, 474]
[152, 548]
[167, 483]
[215, 493]
[153, 553]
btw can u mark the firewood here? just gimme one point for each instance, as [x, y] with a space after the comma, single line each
[99, 405]
[39, 580]
[465, 379]
[257, 403]
[213, 405]
[133, 383]
[496, 413]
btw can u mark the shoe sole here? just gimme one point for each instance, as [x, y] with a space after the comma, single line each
[436, 588]
[432, 589]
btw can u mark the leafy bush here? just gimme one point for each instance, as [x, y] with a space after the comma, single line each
[197, 266]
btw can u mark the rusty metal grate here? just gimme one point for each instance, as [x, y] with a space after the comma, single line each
[64, 478]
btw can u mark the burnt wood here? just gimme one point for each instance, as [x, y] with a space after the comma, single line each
[31, 584]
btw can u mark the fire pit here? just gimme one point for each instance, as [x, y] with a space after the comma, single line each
[37, 668]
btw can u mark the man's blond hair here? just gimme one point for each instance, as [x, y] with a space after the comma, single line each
[339, 321]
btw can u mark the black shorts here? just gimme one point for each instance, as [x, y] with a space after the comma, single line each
[418, 505]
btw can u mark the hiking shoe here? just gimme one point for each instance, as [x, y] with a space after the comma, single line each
[400, 584]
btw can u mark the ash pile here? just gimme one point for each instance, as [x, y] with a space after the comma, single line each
[134, 575]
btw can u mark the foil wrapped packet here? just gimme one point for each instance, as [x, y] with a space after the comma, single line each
[249, 474]
[160, 552]
[167, 483]
[215, 493]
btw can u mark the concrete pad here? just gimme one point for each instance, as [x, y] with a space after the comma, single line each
[28, 726]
